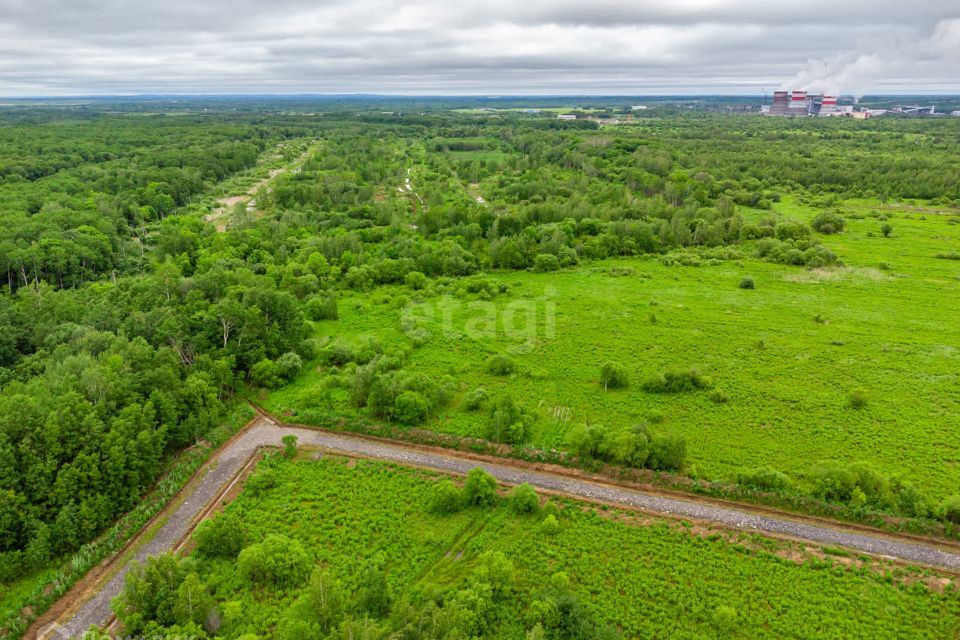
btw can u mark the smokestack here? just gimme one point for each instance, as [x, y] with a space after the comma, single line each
[798, 103]
[781, 104]
[829, 106]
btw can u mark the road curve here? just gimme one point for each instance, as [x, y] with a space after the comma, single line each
[265, 432]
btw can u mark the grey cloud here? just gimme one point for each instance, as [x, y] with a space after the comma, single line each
[499, 46]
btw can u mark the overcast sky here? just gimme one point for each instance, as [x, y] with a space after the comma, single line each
[61, 47]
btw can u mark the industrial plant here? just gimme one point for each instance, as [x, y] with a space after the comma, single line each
[801, 103]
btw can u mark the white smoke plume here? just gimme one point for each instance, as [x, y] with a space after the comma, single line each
[855, 73]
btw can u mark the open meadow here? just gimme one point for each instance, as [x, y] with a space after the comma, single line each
[786, 355]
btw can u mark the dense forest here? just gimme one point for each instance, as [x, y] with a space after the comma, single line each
[127, 321]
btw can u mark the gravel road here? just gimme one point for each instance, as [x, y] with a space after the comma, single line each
[265, 432]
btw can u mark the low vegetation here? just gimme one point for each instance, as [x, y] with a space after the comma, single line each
[365, 549]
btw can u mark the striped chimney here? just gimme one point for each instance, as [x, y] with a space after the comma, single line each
[781, 103]
[798, 103]
[829, 106]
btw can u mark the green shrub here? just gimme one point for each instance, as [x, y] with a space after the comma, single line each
[338, 353]
[828, 223]
[546, 262]
[416, 280]
[322, 307]
[289, 365]
[219, 537]
[791, 230]
[524, 499]
[886, 229]
[475, 400]
[832, 481]
[718, 396]
[668, 452]
[266, 374]
[278, 561]
[626, 447]
[480, 488]
[613, 375]
[508, 422]
[446, 498]
[150, 593]
[677, 382]
[550, 525]
[501, 365]
[550, 508]
[907, 498]
[765, 479]
[747, 283]
[724, 620]
[289, 446]
[950, 509]
[410, 408]
[857, 399]
[319, 608]
[584, 440]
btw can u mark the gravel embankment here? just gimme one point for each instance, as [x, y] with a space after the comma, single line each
[96, 611]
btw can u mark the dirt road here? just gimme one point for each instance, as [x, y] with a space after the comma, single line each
[219, 216]
[229, 462]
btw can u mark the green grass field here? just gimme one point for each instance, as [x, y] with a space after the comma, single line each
[649, 577]
[787, 354]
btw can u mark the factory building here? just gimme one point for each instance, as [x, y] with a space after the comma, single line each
[800, 103]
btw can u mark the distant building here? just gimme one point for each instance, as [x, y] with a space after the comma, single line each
[861, 115]
[955, 113]
[781, 104]
[639, 107]
[828, 107]
[800, 103]
[916, 110]
[566, 116]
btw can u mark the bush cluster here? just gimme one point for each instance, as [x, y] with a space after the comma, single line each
[479, 490]
[800, 252]
[613, 375]
[828, 222]
[635, 447]
[856, 485]
[677, 382]
[276, 373]
[501, 365]
[322, 306]
[508, 421]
